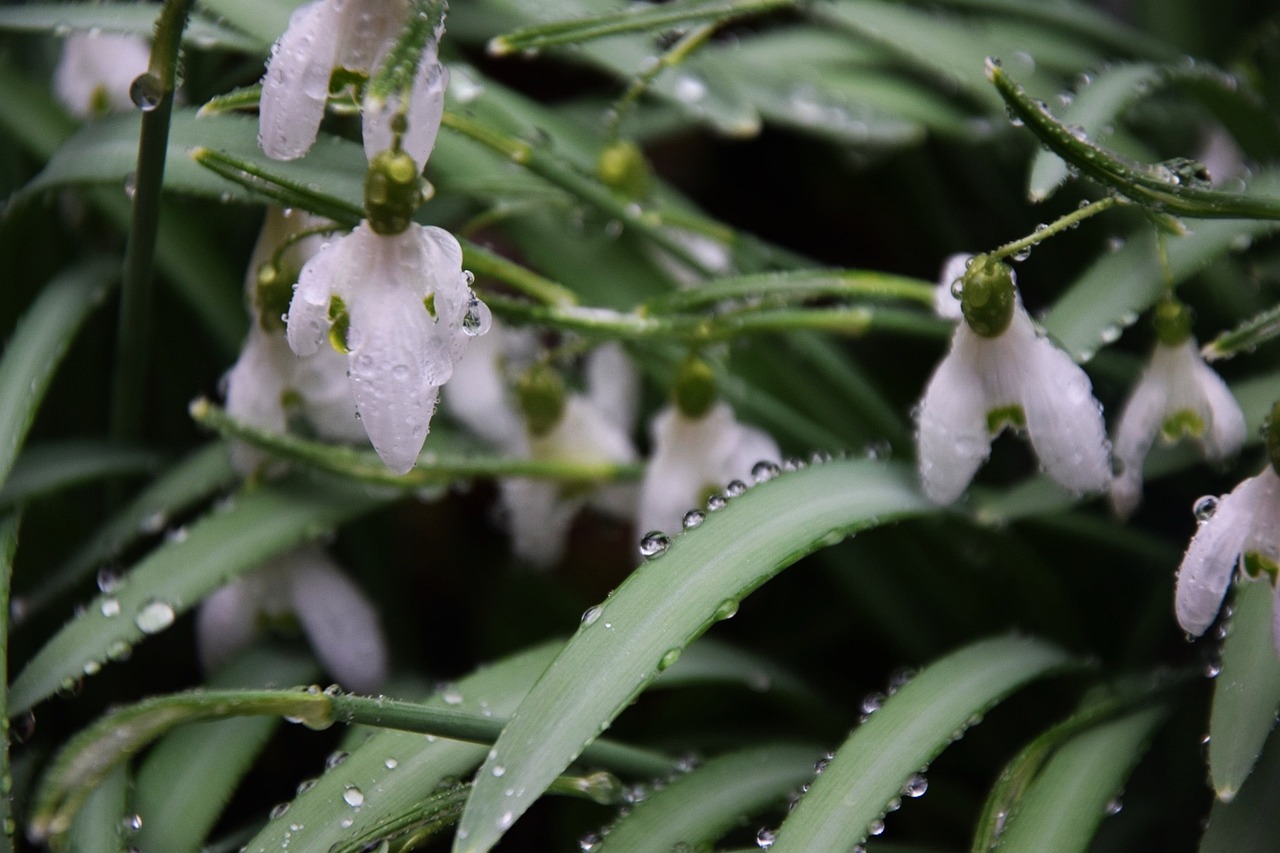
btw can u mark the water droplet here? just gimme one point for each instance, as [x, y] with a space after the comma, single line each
[765, 838]
[654, 544]
[305, 785]
[669, 658]
[693, 518]
[499, 770]
[108, 580]
[131, 184]
[110, 607]
[1022, 254]
[335, 759]
[391, 764]
[154, 617]
[92, 668]
[279, 811]
[1113, 806]
[589, 842]
[591, 615]
[715, 503]
[504, 822]
[353, 797]
[1204, 508]
[690, 89]
[764, 470]
[130, 824]
[876, 827]
[736, 489]
[872, 703]
[477, 319]
[727, 609]
[451, 695]
[146, 91]
[916, 786]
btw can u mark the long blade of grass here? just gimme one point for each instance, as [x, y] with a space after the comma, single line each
[50, 467]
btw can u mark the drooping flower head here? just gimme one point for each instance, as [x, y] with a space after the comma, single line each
[337, 619]
[268, 386]
[1001, 371]
[1178, 396]
[351, 37]
[96, 71]
[391, 295]
[698, 448]
[1243, 530]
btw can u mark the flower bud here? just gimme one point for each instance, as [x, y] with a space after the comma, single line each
[393, 190]
[1172, 321]
[988, 297]
[695, 388]
[541, 394]
[622, 167]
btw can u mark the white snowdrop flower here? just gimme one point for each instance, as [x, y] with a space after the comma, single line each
[479, 394]
[1001, 371]
[946, 301]
[96, 70]
[268, 383]
[1178, 395]
[393, 296]
[1243, 530]
[325, 35]
[338, 620]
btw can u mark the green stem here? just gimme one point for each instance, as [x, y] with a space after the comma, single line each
[679, 51]
[484, 262]
[1071, 220]
[155, 87]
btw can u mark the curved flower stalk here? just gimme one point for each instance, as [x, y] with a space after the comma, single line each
[338, 620]
[393, 296]
[352, 35]
[1244, 529]
[1001, 371]
[96, 71]
[269, 385]
[698, 448]
[1178, 395]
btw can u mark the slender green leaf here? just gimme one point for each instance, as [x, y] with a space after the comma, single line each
[899, 740]
[1174, 187]
[265, 20]
[1096, 109]
[50, 467]
[1243, 338]
[698, 807]
[633, 19]
[1068, 800]
[8, 545]
[630, 638]
[191, 773]
[260, 524]
[1093, 24]
[1246, 694]
[203, 473]
[139, 20]
[101, 826]
[1251, 822]
[38, 345]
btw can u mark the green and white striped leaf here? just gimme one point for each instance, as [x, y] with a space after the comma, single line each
[626, 641]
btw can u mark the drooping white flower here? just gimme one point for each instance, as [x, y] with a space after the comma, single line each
[479, 394]
[693, 456]
[403, 310]
[96, 70]
[354, 35]
[1244, 529]
[1178, 394]
[946, 303]
[268, 384]
[1001, 370]
[338, 620]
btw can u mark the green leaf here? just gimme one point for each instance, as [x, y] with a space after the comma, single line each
[1172, 187]
[899, 740]
[99, 825]
[1251, 822]
[1063, 807]
[698, 807]
[1246, 693]
[189, 776]
[630, 638]
[1245, 337]
[632, 19]
[8, 545]
[37, 346]
[399, 65]
[1095, 108]
[50, 467]
[261, 523]
[265, 20]
[203, 473]
[131, 18]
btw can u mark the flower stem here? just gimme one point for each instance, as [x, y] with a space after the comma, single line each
[679, 51]
[1071, 220]
[153, 92]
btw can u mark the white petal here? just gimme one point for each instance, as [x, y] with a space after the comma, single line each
[308, 324]
[296, 86]
[585, 434]
[439, 260]
[1225, 429]
[1264, 533]
[613, 385]
[1135, 432]
[339, 621]
[226, 623]
[1275, 616]
[255, 387]
[327, 401]
[477, 394]
[1064, 421]
[538, 519]
[952, 436]
[945, 304]
[426, 108]
[1211, 558]
[99, 67]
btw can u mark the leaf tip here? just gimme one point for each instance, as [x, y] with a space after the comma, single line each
[500, 46]
[1226, 795]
